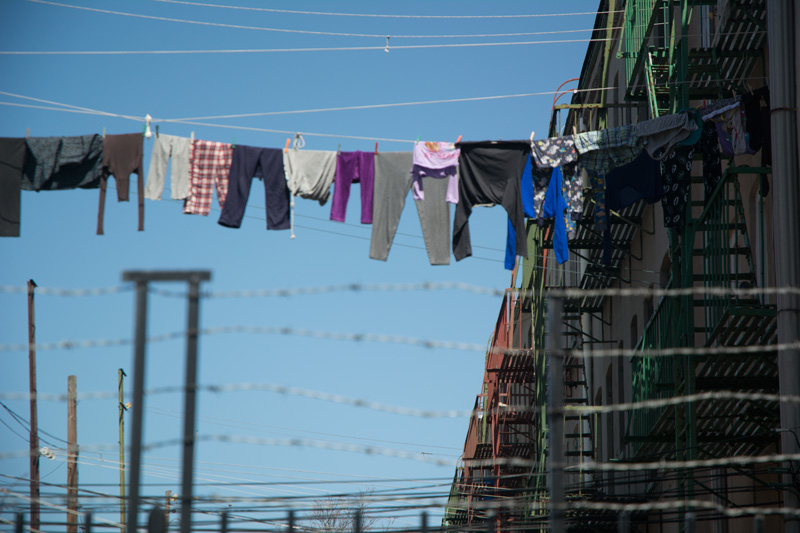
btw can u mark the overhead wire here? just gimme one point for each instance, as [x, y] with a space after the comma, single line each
[286, 30]
[379, 15]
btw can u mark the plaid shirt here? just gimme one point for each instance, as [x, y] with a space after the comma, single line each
[209, 164]
[610, 148]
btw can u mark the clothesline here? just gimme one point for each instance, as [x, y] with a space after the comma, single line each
[537, 179]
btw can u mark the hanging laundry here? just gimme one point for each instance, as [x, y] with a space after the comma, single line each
[757, 117]
[392, 183]
[638, 180]
[490, 173]
[310, 173]
[122, 156]
[660, 134]
[353, 167]
[209, 165]
[555, 207]
[599, 152]
[166, 147]
[572, 192]
[264, 163]
[526, 190]
[609, 148]
[676, 175]
[554, 152]
[728, 118]
[558, 152]
[12, 160]
[436, 160]
[57, 163]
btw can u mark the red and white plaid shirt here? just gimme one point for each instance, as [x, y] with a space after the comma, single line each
[209, 164]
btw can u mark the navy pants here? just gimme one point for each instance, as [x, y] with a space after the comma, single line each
[264, 163]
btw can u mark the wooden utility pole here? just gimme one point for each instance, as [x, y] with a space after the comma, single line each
[72, 455]
[34, 439]
[167, 498]
[122, 507]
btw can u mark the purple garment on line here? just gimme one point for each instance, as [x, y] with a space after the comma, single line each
[451, 173]
[353, 167]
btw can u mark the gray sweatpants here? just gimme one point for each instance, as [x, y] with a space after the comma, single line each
[392, 183]
[164, 147]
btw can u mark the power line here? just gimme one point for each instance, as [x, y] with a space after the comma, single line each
[294, 12]
[286, 30]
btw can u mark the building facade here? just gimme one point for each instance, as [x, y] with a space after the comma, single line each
[660, 313]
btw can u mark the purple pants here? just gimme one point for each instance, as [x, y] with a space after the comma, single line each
[353, 167]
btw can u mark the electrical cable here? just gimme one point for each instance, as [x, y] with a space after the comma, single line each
[283, 30]
[294, 12]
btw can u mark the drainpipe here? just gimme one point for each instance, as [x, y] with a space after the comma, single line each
[781, 26]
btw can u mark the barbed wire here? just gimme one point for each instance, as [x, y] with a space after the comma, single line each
[262, 330]
[428, 286]
[415, 412]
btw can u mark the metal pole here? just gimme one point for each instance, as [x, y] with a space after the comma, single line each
[555, 415]
[357, 522]
[189, 404]
[72, 455]
[140, 334]
[424, 526]
[689, 523]
[34, 435]
[122, 408]
[223, 524]
[781, 19]
[290, 528]
[624, 522]
[142, 278]
[87, 525]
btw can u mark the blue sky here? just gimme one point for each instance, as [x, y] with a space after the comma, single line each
[58, 247]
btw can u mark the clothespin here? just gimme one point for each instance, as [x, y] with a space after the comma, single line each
[286, 148]
[27, 133]
[749, 87]
[233, 144]
[417, 139]
[458, 140]
[147, 132]
[104, 132]
[574, 130]
[532, 134]
[192, 137]
[339, 150]
[387, 45]
[156, 130]
[376, 148]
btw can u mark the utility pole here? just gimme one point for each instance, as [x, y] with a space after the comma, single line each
[167, 498]
[121, 374]
[142, 278]
[34, 438]
[782, 18]
[72, 455]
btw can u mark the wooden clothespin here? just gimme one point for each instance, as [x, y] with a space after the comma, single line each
[192, 137]
[532, 134]
[104, 132]
[286, 148]
[376, 148]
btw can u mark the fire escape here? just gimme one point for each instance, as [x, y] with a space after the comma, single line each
[664, 73]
